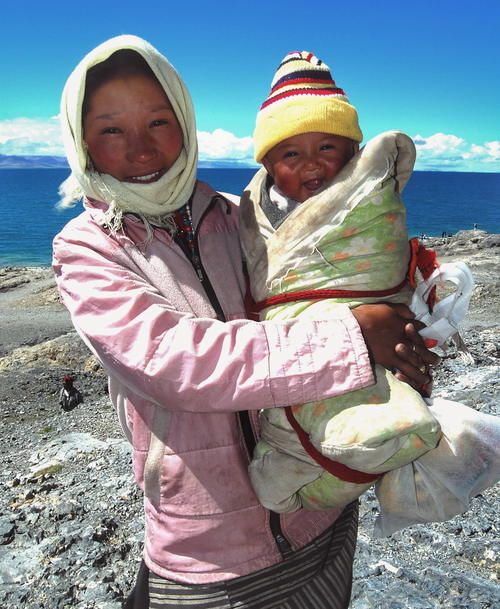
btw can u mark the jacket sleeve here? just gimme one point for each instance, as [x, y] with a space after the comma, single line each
[200, 364]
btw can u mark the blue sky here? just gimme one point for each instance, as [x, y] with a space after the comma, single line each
[430, 69]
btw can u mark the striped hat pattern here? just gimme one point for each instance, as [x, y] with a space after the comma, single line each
[303, 99]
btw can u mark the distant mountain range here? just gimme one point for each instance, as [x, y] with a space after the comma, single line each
[32, 162]
[59, 162]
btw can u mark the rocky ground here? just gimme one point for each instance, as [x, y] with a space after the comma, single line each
[71, 518]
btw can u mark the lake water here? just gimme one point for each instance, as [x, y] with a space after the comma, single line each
[437, 202]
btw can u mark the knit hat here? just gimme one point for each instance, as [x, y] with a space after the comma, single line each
[303, 99]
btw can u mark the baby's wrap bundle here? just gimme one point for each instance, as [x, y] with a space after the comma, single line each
[352, 236]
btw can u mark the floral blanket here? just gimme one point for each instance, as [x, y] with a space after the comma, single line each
[351, 236]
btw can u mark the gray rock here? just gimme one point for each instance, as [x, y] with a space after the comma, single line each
[7, 530]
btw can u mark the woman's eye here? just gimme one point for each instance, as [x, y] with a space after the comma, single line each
[159, 122]
[110, 130]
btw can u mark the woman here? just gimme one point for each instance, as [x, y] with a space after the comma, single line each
[151, 273]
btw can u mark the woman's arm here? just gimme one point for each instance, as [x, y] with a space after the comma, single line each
[200, 364]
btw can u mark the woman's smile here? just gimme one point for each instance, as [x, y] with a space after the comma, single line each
[148, 178]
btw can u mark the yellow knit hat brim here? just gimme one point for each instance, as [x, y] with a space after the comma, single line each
[304, 114]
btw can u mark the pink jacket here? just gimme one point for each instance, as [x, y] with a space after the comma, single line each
[178, 375]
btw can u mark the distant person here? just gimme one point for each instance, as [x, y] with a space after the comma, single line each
[323, 226]
[69, 396]
[151, 273]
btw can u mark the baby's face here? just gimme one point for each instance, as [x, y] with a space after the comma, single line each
[302, 164]
[131, 130]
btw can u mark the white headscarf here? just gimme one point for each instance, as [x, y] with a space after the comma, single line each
[151, 201]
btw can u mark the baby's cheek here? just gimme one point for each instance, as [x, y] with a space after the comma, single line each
[334, 168]
[288, 182]
[284, 183]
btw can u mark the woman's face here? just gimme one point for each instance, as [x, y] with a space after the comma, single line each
[131, 130]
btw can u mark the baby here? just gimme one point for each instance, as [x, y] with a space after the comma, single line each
[348, 245]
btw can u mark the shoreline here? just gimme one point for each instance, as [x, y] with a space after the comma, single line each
[438, 241]
[31, 312]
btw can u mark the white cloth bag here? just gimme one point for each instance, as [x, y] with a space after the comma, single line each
[447, 313]
[441, 483]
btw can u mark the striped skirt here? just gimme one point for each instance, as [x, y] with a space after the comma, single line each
[318, 576]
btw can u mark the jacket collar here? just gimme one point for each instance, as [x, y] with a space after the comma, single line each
[204, 197]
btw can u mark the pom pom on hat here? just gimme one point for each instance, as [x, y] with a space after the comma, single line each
[303, 99]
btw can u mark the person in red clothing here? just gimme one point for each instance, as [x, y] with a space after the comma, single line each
[69, 396]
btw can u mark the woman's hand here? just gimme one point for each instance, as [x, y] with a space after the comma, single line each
[391, 335]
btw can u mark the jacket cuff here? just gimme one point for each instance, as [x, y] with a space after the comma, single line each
[314, 360]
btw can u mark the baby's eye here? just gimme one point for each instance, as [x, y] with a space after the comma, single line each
[327, 147]
[289, 153]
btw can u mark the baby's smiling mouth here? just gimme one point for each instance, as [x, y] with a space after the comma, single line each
[148, 178]
[313, 184]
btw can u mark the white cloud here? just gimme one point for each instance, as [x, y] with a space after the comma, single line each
[449, 152]
[223, 145]
[28, 136]
[440, 151]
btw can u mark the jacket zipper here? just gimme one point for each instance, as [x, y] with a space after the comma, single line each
[280, 540]
[246, 427]
[194, 258]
